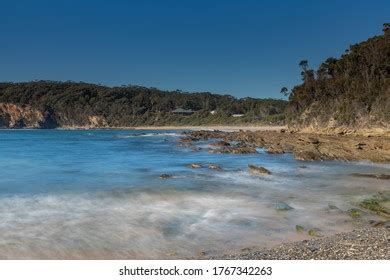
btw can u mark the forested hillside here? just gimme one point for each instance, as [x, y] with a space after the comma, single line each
[351, 91]
[48, 104]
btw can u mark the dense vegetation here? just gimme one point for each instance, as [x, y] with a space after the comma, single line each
[81, 104]
[353, 90]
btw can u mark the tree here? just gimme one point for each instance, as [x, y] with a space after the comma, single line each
[284, 91]
[304, 64]
[386, 29]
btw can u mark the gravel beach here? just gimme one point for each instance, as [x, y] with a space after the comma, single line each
[363, 244]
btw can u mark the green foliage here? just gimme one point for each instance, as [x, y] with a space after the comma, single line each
[352, 90]
[72, 104]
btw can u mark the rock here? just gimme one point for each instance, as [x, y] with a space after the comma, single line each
[195, 165]
[314, 140]
[258, 170]
[214, 166]
[171, 254]
[360, 146]
[165, 176]
[234, 150]
[275, 149]
[333, 207]
[314, 232]
[299, 228]
[355, 213]
[281, 206]
[201, 253]
[221, 144]
[307, 155]
[376, 176]
[373, 204]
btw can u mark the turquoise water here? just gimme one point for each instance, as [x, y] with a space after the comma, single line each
[97, 194]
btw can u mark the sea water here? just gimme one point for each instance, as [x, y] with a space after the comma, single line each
[98, 194]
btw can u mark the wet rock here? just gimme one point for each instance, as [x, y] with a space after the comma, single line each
[355, 213]
[234, 150]
[281, 206]
[165, 176]
[202, 135]
[214, 166]
[195, 165]
[373, 204]
[221, 143]
[307, 155]
[333, 207]
[376, 176]
[299, 228]
[275, 149]
[258, 170]
[314, 232]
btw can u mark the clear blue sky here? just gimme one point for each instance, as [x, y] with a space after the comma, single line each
[243, 48]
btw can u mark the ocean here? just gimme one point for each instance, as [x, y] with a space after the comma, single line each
[97, 194]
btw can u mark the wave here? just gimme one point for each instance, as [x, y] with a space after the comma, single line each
[154, 134]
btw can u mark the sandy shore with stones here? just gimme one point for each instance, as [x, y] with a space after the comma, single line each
[364, 244]
[368, 242]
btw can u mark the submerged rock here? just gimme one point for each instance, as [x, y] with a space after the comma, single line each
[299, 228]
[355, 213]
[195, 165]
[385, 224]
[258, 170]
[165, 176]
[314, 232]
[373, 204]
[281, 206]
[214, 166]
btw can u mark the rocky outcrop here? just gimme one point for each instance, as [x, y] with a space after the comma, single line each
[304, 146]
[258, 170]
[16, 116]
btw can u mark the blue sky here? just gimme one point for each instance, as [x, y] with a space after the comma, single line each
[243, 48]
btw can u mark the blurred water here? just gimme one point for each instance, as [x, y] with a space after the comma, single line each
[97, 194]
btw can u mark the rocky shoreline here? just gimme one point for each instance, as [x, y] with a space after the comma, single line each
[370, 241]
[303, 146]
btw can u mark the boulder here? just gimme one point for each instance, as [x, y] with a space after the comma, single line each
[214, 166]
[195, 165]
[258, 170]
[281, 206]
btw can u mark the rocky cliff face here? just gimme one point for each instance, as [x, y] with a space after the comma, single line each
[15, 116]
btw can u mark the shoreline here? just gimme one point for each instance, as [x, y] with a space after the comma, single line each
[365, 132]
[367, 243]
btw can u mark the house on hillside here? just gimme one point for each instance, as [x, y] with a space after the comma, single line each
[181, 111]
[237, 115]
